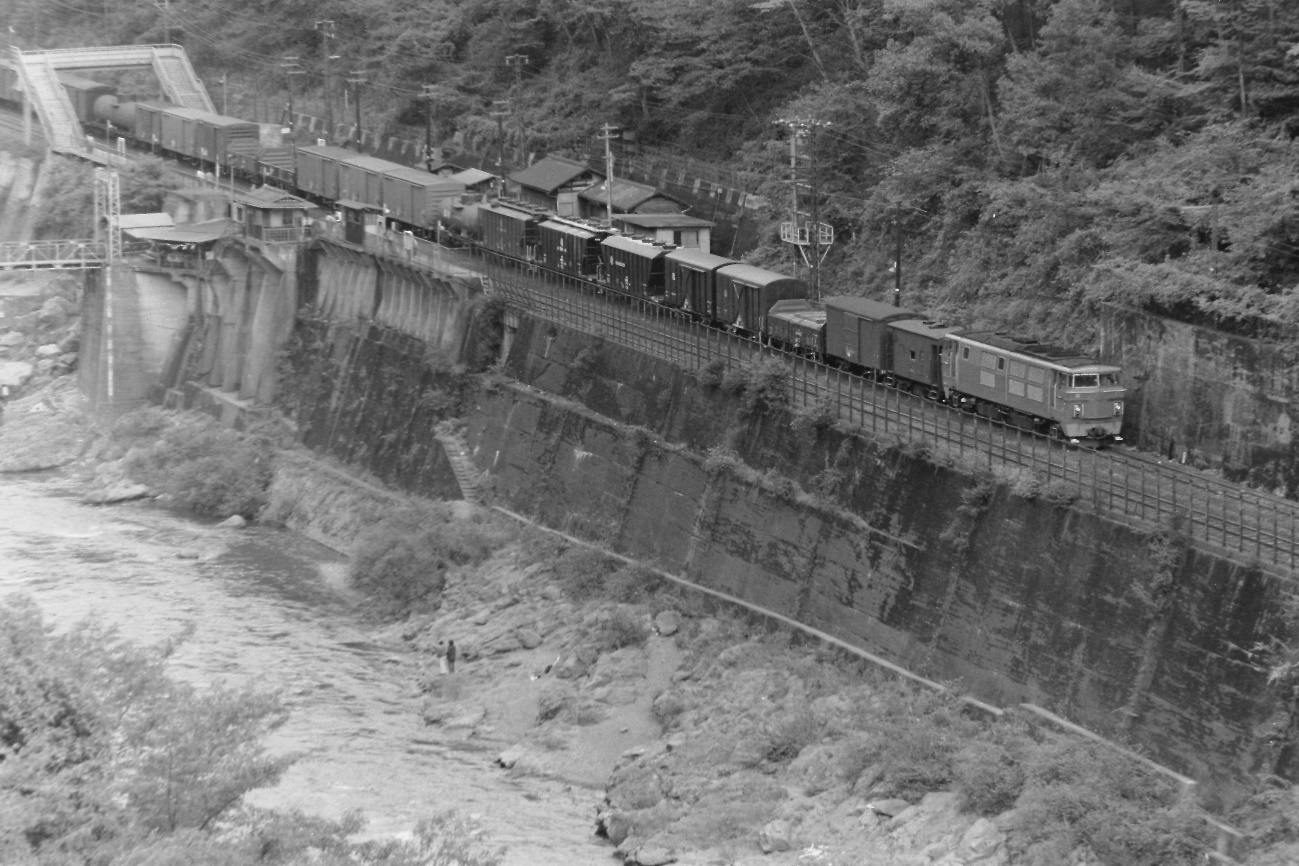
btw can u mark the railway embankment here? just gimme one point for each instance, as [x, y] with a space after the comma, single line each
[999, 585]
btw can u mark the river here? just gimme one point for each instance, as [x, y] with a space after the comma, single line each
[269, 607]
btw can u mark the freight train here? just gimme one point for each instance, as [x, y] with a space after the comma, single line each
[1030, 385]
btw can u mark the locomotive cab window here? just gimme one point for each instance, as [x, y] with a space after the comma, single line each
[1086, 380]
[965, 353]
[1109, 379]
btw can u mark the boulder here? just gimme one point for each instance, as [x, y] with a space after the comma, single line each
[15, 373]
[49, 350]
[118, 491]
[667, 622]
[551, 592]
[528, 638]
[652, 855]
[888, 808]
[10, 339]
[68, 359]
[775, 836]
[982, 840]
[45, 366]
[481, 618]
[617, 826]
[234, 521]
[511, 756]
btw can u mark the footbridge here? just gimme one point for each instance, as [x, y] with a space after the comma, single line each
[38, 72]
[53, 255]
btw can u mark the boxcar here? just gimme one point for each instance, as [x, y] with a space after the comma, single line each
[570, 247]
[217, 136]
[690, 278]
[856, 331]
[918, 355]
[418, 198]
[796, 325]
[744, 294]
[277, 165]
[509, 229]
[147, 120]
[83, 92]
[634, 266]
[360, 178]
[1042, 386]
[318, 169]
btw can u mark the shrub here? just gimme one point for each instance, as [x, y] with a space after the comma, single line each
[617, 628]
[1082, 794]
[791, 734]
[208, 468]
[816, 417]
[401, 562]
[988, 778]
[633, 584]
[710, 376]
[583, 572]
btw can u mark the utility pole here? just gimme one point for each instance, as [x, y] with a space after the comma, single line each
[356, 80]
[517, 62]
[607, 135]
[326, 28]
[426, 92]
[291, 68]
[806, 229]
[225, 100]
[897, 255]
[165, 6]
[499, 114]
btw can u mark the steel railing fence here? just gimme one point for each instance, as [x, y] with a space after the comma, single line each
[1252, 527]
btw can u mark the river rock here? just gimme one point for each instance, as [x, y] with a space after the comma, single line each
[775, 836]
[652, 855]
[45, 366]
[511, 756]
[667, 622]
[118, 491]
[481, 618]
[529, 639]
[15, 373]
[10, 339]
[68, 359]
[551, 592]
[49, 350]
[888, 808]
[982, 840]
[234, 521]
[617, 825]
[54, 312]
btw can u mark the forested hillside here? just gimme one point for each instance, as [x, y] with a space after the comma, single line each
[1035, 156]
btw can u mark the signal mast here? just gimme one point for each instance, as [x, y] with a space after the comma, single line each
[805, 231]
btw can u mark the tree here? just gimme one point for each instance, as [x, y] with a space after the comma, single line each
[99, 747]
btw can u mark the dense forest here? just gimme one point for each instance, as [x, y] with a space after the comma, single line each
[1035, 157]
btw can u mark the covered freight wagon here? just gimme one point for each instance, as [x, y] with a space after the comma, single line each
[360, 178]
[418, 198]
[856, 331]
[83, 93]
[509, 229]
[690, 279]
[318, 169]
[635, 266]
[570, 247]
[918, 354]
[745, 294]
[796, 325]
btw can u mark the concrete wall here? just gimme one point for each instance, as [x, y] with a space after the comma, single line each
[1123, 629]
[1224, 399]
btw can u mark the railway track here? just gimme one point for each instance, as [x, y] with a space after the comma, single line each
[1248, 526]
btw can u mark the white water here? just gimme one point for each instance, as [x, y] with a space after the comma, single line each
[263, 610]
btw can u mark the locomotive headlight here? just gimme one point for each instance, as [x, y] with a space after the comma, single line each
[1077, 410]
[1118, 407]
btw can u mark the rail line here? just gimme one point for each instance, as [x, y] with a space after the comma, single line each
[1251, 527]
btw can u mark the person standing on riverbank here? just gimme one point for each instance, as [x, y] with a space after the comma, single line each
[451, 656]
